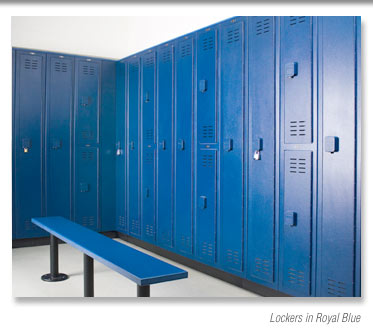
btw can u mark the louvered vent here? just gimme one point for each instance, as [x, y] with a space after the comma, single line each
[149, 230]
[166, 55]
[149, 61]
[297, 128]
[208, 132]
[148, 158]
[336, 288]
[88, 221]
[135, 226]
[133, 67]
[208, 160]
[87, 155]
[122, 222]
[31, 64]
[298, 165]
[296, 277]
[149, 134]
[60, 67]
[233, 257]
[186, 49]
[87, 135]
[233, 35]
[207, 249]
[88, 70]
[185, 243]
[208, 43]
[29, 226]
[294, 20]
[262, 266]
[263, 26]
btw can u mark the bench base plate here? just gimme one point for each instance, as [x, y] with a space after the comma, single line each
[60, 277]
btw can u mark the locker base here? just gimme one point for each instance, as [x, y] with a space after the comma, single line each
[59, 277]
[232, 279]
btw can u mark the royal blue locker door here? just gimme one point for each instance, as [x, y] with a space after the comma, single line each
[297, 156]
[133, 108]
[337, 152]
[28, 141]
[59, 114]
[148, 150]
[184, 56]
[165, 117]
[87, 109]
[261, 156]
[207, 147]
[232, 122]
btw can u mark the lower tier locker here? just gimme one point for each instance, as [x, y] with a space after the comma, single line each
[261, 243]
[59, 114]
[206, 149]
[148, 150]
[133, 177]
[165, 118]
[28, 142]
[183, 217]
[232, 121]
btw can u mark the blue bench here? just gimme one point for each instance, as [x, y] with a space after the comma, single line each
[137, 266]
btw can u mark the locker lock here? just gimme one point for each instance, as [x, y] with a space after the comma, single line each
[259, 148]
[26, 145]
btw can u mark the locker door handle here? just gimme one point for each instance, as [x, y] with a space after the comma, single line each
[228, 145]
[203, 85]
[291, 69]
[26, 144]
[181, 144]
[162, 145]
[56, 143]
[202, 202]
[147, 99]
[147, 192]
[331, 144]
[291, 218]
[259, 148]
[119, 150]
[132, 145]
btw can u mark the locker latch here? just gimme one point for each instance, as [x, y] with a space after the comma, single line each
[147, 99]
[119, 150]
[132, 145]
[56, 143]
[259, 148]
[181, 144]
[331, 144]
[291, 218]
[202, 202]
[85, 101]
[228, 145]
[26, 144]
[162, 144]
[291, 69]
[84, 187]
[203, 85]
[147, 192]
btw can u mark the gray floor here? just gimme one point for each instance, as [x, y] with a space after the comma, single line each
[30, 263]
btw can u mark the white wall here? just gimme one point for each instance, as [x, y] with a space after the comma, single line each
[109, 37]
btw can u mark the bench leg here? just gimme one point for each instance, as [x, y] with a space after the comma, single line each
[88, 276]
[143, 291]
[54, 276]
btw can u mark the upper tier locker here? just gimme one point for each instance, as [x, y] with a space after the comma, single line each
[133, 182]
[338, 271]
[148, 150]
[184, 56]
[207, 146]
[59, 114]
[87, 109]
[28, 141]
[165, 118]
[296, 190]
[261, 155]
[232, 123]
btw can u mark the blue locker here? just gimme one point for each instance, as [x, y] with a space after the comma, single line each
[121, 148]
[262, 153]
[28, 141]
[184, 58]
[232, 120]
[133, 178]
[165, 118]
[207, 147]
[148, 148]
[339, 59]
[87, 109]
[59, 116]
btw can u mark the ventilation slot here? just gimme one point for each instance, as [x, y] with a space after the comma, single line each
[149, 61]
[297, 128]
[207, 249]
[133, 67]
[336, 288]
[88, 70]
[208, 160]
[233, 35]
[208, 43]
[135, 226]
[31, 64]
[186, 50]
[148, 158]
[60, 67]
[88, 135]
[208, 132]
[122, 222]
[296, 277]
[29, 226]
[296, 20]
[263, 26]
[185, 243]
[298, 166]
[88, 221]
[149, 230]
[166, 55]
[149, 134]
[233, 257]
[87, 155]
[262, 266]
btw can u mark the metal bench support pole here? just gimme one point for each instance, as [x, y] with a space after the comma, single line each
[88, 276]
[54, 276]
[143, 291]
